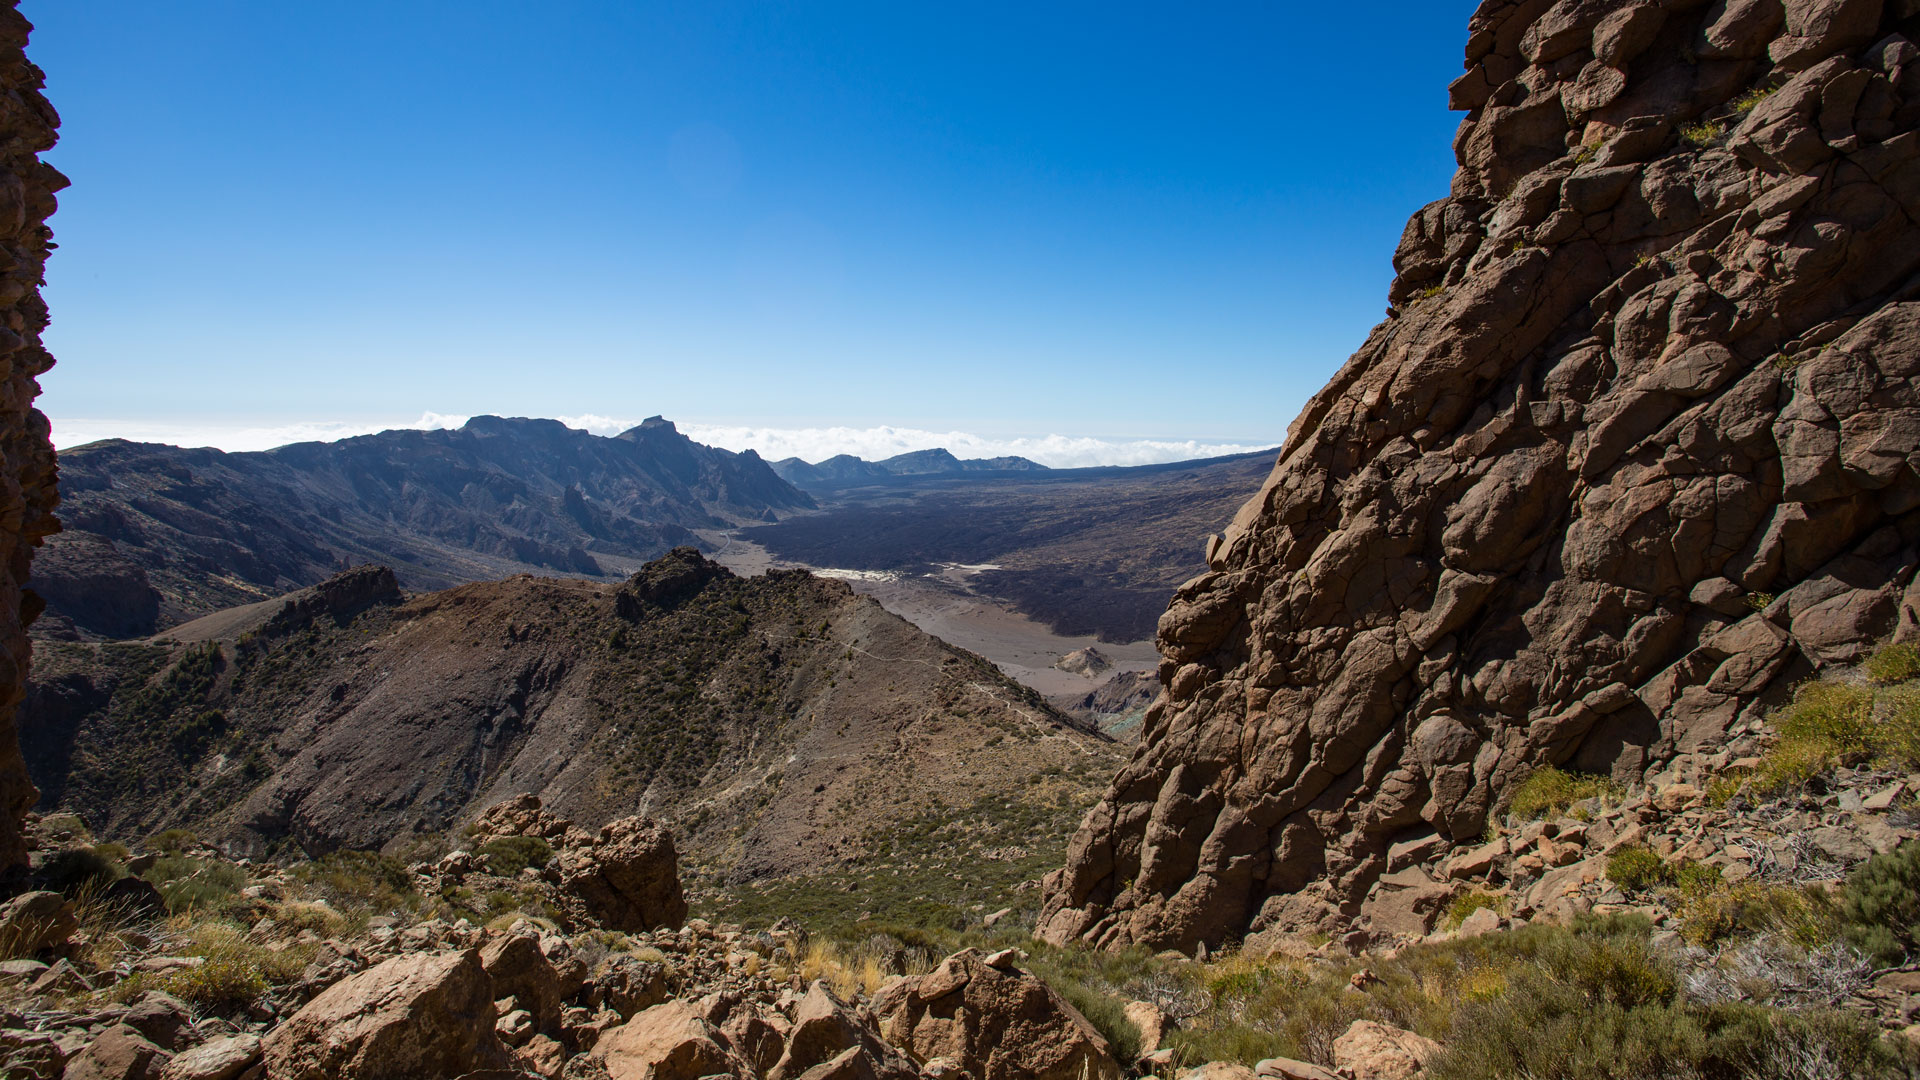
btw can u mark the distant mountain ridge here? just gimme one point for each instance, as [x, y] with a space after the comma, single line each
[847, 469]
[159, 534]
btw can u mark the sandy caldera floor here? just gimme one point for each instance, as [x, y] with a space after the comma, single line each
[945, 605]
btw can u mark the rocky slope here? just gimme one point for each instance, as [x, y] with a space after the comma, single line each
[1633, 452]
[160, 534]
[27, 493]
[309, 972]
[781, 724]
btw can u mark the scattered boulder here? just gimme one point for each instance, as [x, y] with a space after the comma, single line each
[1373, 1051]
[36, 921]
[671, 1041]
[1280, 1068]
[628, 878]
[519, 970]
[415, 1015]
[828, 1033]
[997, 1023]
[215, 1059]
[120, 1053]
[1152, 1022]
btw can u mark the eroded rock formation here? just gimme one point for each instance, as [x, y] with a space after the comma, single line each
[27, 493]
[1635, 449]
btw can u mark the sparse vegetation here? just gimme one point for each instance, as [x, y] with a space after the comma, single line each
[1832, 723]
[508, 855]
[1759, 601]
[1746, 102]
[1881, 905]
[1702, 134]
[1469, 902]
[1893, 663]
[1549, 791]
[1636, 868]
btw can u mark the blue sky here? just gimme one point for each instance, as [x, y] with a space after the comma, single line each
[1166, 222]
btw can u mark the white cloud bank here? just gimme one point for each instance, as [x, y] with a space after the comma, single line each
[810, 444]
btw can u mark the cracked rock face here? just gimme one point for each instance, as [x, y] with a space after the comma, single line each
[27, 493]
[1635, 449]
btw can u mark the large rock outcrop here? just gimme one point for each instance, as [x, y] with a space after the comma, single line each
[1634, 450]
[27, 492]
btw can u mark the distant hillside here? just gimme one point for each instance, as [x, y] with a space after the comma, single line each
[781, 723]
[846, 469]
[159, 534]
[1086, 551]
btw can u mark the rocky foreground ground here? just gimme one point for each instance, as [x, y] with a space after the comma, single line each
[539, 949]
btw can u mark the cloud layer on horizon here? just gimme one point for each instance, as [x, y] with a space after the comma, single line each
[809, 443]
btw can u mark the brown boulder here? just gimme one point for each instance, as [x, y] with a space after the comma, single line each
[1372, 1051]
[667, 1042]
[120, 1053]
[519, 970]
[216, 1059]
[826, 1031]
[997, 1023]
[421, 1014]
[35, 921]
[627, 878]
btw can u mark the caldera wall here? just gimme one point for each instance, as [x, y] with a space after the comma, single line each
[1635, 449]
[27, 492]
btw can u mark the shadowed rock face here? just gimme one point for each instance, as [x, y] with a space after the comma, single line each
[1634, 450]
[27, 493]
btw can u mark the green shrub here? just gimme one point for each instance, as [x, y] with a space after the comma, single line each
[509, 855]
[1467, 903]
[1636, 868]
[1746, 102]
[1896, 737]
[172, 841]
[235, 972]
[1881, 904]
[1894, 663]
[197, 885]
[361, 879]
[1548, 791]
[1719, 911]
[1701, 134]
[1827, 724]
[77, 869]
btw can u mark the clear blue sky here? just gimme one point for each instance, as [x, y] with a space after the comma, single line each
[1083, 219]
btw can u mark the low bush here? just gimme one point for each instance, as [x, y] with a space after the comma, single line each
[1881, 904]
[235, 972]
[1718, 912]
[1467, 903]
[1827, 724]
[1894, 663]
[361, 880]
[1636, 868]
[77, 869]
[172, 841]
[509, 855]
[207, 886]
[1548, 791]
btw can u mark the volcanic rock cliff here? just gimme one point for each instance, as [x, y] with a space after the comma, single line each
[27, 493]
[1634, 451]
